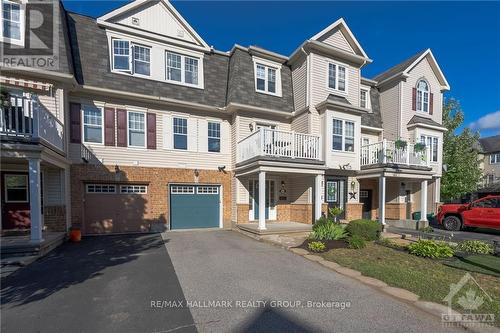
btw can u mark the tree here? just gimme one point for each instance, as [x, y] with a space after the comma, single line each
[462, 173]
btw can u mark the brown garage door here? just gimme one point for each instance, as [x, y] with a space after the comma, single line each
[116, 208]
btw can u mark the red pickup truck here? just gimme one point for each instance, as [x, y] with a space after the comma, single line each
[484, 213]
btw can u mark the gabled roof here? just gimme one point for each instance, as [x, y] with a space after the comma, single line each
[406, 66]
[108, 18]
[342, 26]
[490, 144]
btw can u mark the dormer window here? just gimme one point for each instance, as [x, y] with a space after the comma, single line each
[12, 25]
[423, 96]
[337, 77]
[131, 58]
[267, 77]
[141, 60]
[182, 69]
[364, 99]
[121, 55]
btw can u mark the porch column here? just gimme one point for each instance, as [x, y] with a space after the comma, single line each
[35, 200]
[381, 199]
[318, 191]
[423, 201]
[262, 200]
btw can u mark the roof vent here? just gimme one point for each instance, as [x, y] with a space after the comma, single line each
[135, 21]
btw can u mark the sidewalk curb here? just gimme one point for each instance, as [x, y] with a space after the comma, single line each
[398, 293]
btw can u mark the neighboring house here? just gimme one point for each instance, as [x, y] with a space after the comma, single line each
[489, 152]
[161, 130]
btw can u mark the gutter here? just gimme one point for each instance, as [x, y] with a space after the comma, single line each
[41, 74]
[437, 128]
[346, 108]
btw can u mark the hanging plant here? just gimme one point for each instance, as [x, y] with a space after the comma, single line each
[419, 147]
[400, 144]
[4, 97]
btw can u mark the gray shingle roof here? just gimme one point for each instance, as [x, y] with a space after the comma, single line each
[423, 120]
[335, 98]
[398, 68]
[490, 144]
[241, 88]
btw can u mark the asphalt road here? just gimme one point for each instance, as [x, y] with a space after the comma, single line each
[227, 266]
[103, 284]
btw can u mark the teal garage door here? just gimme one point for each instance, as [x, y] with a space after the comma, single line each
[194, 206]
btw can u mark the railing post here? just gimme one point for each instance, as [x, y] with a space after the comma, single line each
[261, 134]
[408, 154]
[294, 142]
[428, 153]
[36, 119]
[384, 151]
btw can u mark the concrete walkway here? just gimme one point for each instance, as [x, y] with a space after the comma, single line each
[228, 266]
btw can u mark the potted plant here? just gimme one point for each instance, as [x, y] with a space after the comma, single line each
[335, 212]
[75, 234]
[4, 98]
[400, 144]
[419, 147]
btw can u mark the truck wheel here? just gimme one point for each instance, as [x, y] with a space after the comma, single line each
[452, 223]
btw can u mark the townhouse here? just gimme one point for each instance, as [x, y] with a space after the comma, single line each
[489, 152]
[145, 127]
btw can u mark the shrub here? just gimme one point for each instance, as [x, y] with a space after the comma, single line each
[316, 246]
[328, 231]
[367, 229]
[475, 246]
[356, 242]
[335, 212]
[321, 222]
[431, 249]
[427, 229]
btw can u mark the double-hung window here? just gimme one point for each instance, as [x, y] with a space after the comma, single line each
[180, 133]
[343, 135]
[495, 159]
[92, 124]
[337, 77]
[267, 79]
[121, 55]
[432, 143]
[364, 99]
[142, 60]
[12, 22]
[213, 137]
[182, 69]
[422, 96]
[136, 129]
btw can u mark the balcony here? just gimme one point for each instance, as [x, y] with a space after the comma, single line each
[267, 142]
[26, 120]
[386, 152]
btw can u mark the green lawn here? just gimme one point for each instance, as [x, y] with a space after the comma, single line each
[478, 263]
[428, 278]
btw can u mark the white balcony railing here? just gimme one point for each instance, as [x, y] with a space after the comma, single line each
[386, 152]
[25, 118]
[275, 143]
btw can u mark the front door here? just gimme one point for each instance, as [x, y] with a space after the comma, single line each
[270, 199]
[15, 201]
[365, 197]
[336, 195]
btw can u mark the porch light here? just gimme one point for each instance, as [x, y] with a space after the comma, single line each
[353, 185]
[196, 173]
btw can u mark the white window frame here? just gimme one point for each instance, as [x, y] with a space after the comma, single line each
[133, 60]
[267, 64]
[22, 24]
[495, 158]
[119, 70]
[344, 121]
[336, 89]
[108, 186]
[83, 124]
[182, 189]
[128, 128]
[207, 189]
[436, 145]
[183, 68]
[133, 189]
[424, 93]
[27, 188]
[213, 137]
[173, 133]
[367, 98]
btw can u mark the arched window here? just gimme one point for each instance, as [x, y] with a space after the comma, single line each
[423, 96]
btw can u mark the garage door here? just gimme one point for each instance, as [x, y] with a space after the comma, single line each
[194, 206]
[116, 208]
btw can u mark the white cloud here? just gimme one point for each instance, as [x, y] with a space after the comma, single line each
[491, 121]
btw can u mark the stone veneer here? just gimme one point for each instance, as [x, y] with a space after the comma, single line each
[157, 180]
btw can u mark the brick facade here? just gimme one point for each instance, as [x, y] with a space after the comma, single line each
[157, 180]
[54, 218]
[354, 211]
[395, 211]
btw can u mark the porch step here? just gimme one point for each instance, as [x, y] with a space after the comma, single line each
[275, 229]
[20, 246]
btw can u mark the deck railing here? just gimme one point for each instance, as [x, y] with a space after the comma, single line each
[386, 152]
[276, 143]
[25, 118]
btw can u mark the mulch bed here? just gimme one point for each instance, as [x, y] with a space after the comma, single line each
[331, 244]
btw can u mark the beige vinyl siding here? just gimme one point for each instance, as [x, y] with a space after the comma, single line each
[299, 190]
[301, 123]
[337, 39]
[53, 187]
[244, 123]
[389, 109]
[299, 81]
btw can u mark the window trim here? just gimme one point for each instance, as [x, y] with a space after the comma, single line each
[22, 24]
[212, 137]
[428, 92]
[344, 121]
[94, 184]
[173, 133]
[119, 70]
[211, 187]
[82, 111]
[6, 188]
[368, 105]
[132, 59]
[183, 56]
[495, 158]
[175, 189]
[337, 64]
[133, 186]
[267, 64]
[128, 128]
[432, 137]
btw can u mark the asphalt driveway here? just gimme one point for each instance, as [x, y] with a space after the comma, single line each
[103, 284]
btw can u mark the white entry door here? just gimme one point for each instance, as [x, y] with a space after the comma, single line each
[253, 213]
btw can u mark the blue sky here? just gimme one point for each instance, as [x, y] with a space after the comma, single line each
[464, 37]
